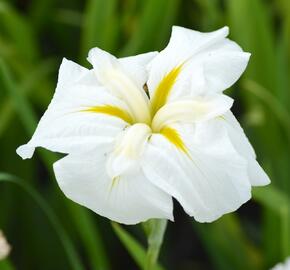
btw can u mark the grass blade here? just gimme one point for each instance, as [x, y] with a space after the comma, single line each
[6, 265]
[220, 236]
[18, 29]
[144, 37]
[25, 112]
[280, 204]
[32, 80]
[137, 252]
[72, 254]
[90, 236]
[270, 102]
[99, 26]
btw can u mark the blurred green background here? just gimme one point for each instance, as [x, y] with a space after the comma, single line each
[46, 230]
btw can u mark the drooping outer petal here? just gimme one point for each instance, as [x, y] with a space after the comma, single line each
[206, 62]
[128, 199]
[242, 145]
[82, 114]
[209, 179]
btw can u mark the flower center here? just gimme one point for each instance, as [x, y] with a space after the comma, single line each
[145, 115]
[124, 88]
[128, 149]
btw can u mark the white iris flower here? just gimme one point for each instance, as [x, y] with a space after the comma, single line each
[143, 129]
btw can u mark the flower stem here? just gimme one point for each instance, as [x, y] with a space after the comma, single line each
[156, 230]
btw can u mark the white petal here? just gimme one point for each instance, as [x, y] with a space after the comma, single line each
[241, 143]
[71, 73]
[223, 69]
[128, 150]
[64, 127]
[113, 75]
[135, 67]
[211, 63]
[191, 110]
[130, 199]
[212, 182]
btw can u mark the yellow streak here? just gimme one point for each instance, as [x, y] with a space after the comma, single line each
[115, 181]
[111, 110]
[163, 89]
[172, 135]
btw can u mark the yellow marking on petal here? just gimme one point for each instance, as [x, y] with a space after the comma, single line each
[115, 181]
[221, 117]
[111, 110]
[172, 135]
[164, 87]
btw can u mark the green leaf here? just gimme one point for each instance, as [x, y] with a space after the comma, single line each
[144, 36]
[99, 27]
[6, 265]
[274, 199]
[32, 80]
[72, 254]
[137, 252]
[23, 108]
[40, 12]
[90, 236]
[218, 239]
[18, 29]
[256, 35]
[271, 103]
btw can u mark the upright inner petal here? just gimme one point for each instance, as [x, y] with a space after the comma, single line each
[124, 88]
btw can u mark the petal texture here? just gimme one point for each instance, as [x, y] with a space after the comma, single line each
[135, 67]
[128, 199]
[241, 143]
[112, 75]
[209, 63]
[208, 182]
[68, 125]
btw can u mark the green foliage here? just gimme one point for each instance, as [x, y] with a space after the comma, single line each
[66, 242]
[36, 34]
